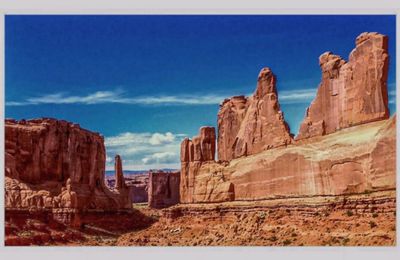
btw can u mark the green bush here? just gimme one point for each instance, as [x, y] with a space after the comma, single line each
[287, 242]
[372, 224]
[349, 213]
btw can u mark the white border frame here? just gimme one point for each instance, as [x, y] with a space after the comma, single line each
[190, 7]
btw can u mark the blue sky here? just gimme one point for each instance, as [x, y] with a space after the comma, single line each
[146, 82]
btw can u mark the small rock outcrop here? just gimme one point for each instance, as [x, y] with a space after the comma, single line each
[163, 189]
[56, 165]
[138, 185]
[350, 93]
[119, 174]
[249, 126]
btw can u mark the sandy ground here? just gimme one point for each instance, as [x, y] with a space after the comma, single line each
[367, 220]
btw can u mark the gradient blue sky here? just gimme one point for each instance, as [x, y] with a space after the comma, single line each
[145, 82]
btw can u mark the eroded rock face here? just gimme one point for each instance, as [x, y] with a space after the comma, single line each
[355, 160]
[163, 189]
[350, 93]
[249, 126]
[230, 117]
[54, 164]
[194, 153]
[138, 185]
[201, 148]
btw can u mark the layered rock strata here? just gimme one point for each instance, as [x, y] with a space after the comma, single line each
[350, 93]
[55, 165]
[355, 160]
[163, 189]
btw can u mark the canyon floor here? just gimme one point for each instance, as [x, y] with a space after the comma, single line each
[354, 220]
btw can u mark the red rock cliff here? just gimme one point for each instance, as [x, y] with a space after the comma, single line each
[43, 155]
[350, 93]
[354, 160]
[230, 117]
[196, 153]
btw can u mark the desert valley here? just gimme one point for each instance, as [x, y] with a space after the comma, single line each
[248, 182]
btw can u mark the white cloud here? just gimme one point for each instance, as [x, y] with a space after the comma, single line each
[145, 150]
[158, 138]
[158, 158]
[109, 159]
[119, 97]
[296, 96]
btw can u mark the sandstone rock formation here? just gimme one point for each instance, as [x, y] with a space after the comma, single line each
[250, 125]
[53, 164]
[195, 153]
[355, 160]
[350, 93]
[119, 174]
[230, 117]
[163, 189]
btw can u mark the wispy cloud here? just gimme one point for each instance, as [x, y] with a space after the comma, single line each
[120, 97]
[140, 151]
[296, 96]
[159, 158]
[392, 96]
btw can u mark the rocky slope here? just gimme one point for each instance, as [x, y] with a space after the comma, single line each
[356, 220]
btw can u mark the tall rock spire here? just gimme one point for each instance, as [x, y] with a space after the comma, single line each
[119, 174]
[249, 126]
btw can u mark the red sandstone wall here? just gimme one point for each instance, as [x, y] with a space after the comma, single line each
[53, 163]
[350, 93]
[163, 189]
